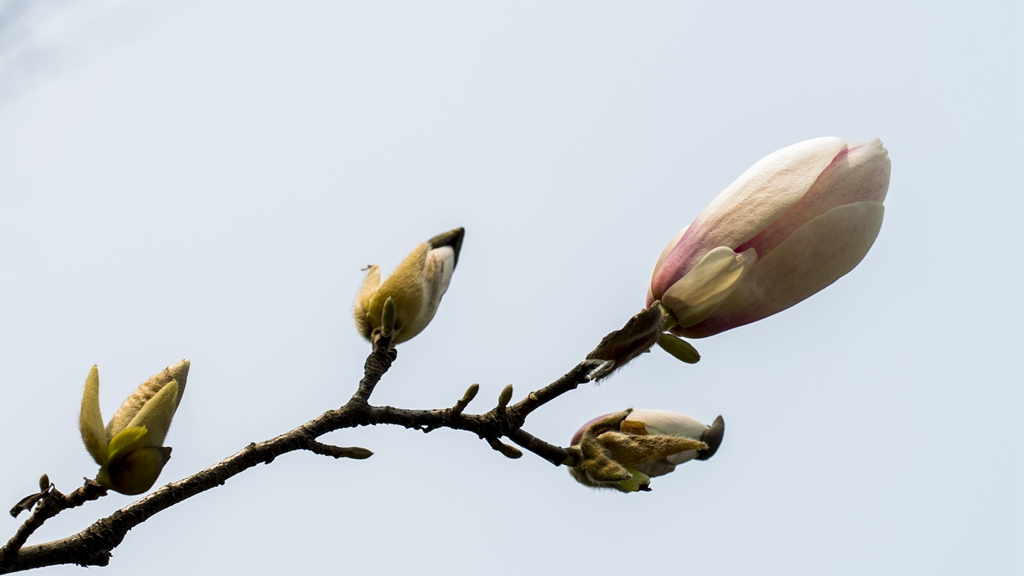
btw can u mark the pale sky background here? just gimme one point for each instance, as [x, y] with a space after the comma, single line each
[205, 180]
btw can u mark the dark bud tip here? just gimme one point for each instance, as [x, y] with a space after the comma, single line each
[713, 438]
[451, 238]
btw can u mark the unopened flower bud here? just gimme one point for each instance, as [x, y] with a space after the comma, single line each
[130, 448]
[624, 451]
[797, 221]
[415, 288]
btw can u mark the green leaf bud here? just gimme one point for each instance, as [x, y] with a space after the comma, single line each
[505, 396]
[470, 394]
[357, 453]
[387, 322]
[679, 348]
[508, 451]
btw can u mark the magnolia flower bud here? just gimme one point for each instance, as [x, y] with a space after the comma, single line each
[624, 451]
[415, 288]
[792, 224]
[130, 448]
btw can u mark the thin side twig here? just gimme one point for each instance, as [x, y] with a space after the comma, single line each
[51, 504]
[93, 546]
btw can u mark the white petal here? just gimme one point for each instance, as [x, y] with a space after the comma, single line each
[858, 174]
[812, 258]
[682, 457]
[766, 190]
[707, 285]
[440, 262]
[750, 204]
[669, 423]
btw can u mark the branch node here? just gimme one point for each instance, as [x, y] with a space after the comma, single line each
[93, 545]
[29, 501]
[51, 503]
[377, 363]
[622, 345]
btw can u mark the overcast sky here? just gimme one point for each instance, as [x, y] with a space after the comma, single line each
[205, 180]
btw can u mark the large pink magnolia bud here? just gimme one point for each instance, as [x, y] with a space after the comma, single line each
[792, 224]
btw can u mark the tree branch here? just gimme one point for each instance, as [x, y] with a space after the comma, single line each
[53, 502]
[93, 546]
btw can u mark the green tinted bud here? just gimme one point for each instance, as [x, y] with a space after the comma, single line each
[505, 396]
[90, 422]
[508, 451]
[415, 289]
[357, 453]
[387, 319]
[130, 448]
[136, 471]
[470, 394]
[639, 481]
[145, 392]
[679, 348]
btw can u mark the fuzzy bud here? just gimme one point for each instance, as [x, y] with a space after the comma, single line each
[624, 451]
[414, 289]
[130, 448]
[797, 221]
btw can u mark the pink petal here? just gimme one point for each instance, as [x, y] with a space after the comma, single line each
[749, 205]
[809, 260]
[661, 260]
[858, 174]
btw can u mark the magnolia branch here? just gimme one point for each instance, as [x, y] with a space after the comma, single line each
[708, 288]
[93, 546]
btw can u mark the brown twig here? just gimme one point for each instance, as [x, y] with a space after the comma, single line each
[377, 363]
[554, 454]
[52, 503]
[93, 546]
